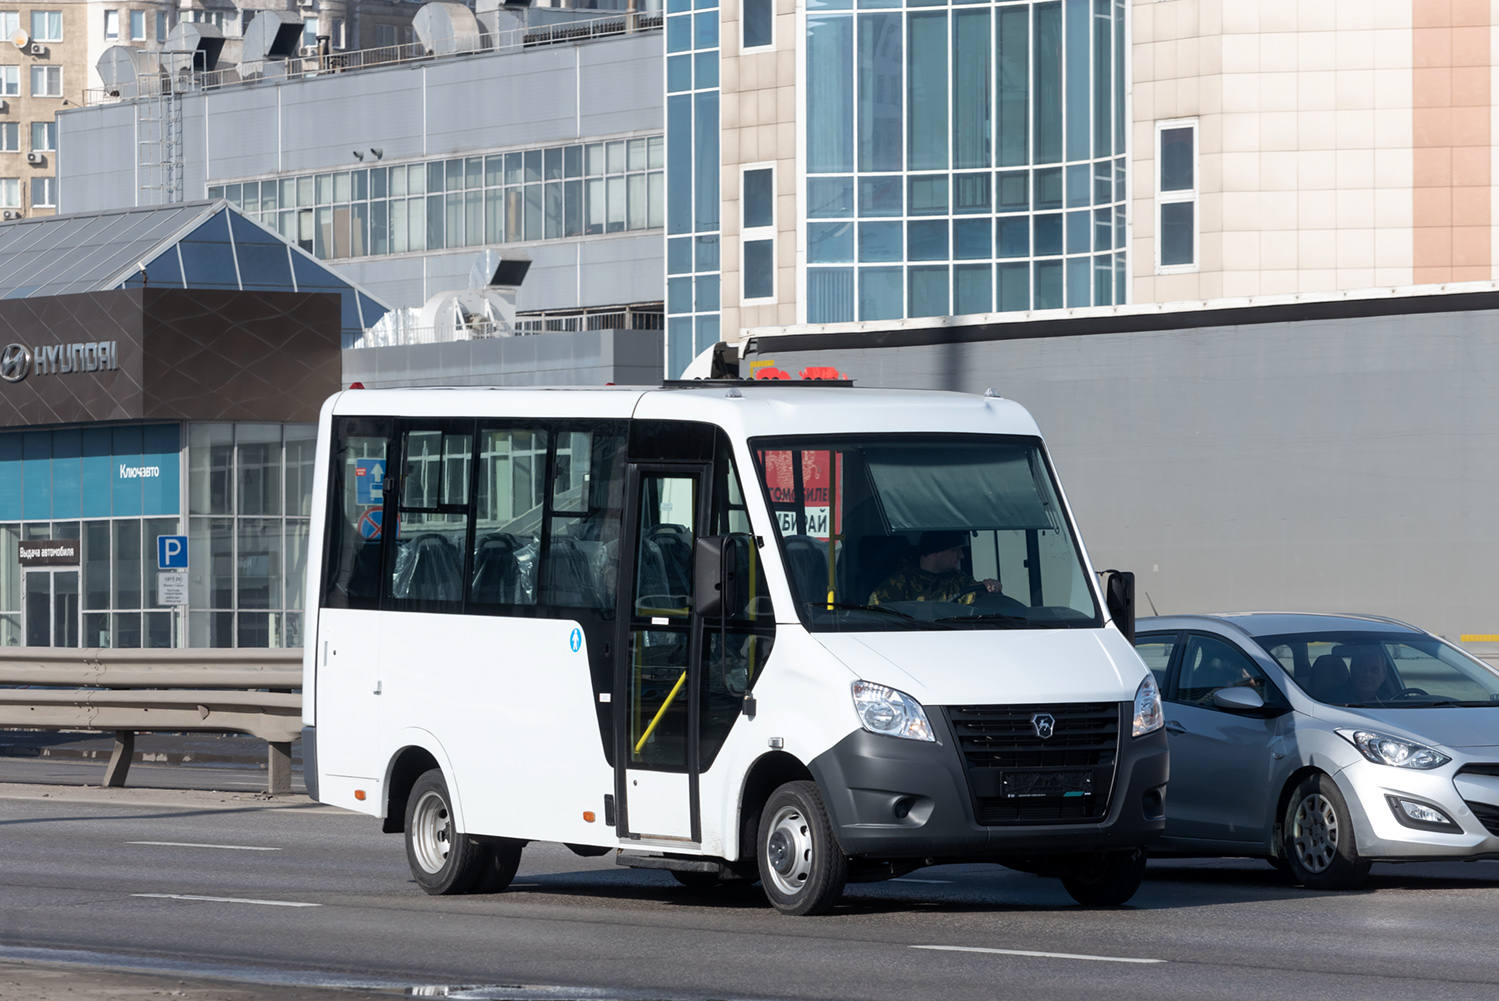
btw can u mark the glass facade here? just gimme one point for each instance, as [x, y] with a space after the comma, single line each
[963, 157]
[520, 196]
[693, 267]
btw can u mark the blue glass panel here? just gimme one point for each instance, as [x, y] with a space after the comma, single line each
[874, 4]
[97, 472]
[678, 73]
[880, 241]
[705, 4]
[758, 17]
[1013, 79]
[160, 491]
[1103, 106]
[707, 69]
[926, 90]
[1176, 159]
[679, 295]
[1103, 280]
[207, 257]
[37, 472]
[830, 197]
[1079, 232]
[970, 193]
[1077, 185]
[927, 195]
[1079, 281]
[313, 277]
[1077, 79]
[1103, 182]
[705, 30]
[348, 313]
[707, 252]
[830, 94]
[1014, 287]
[1013, 190]
[757, 198]
[678, 6]
[679, 352]
[707, 294]
[1046, 83]
[1048, 234]
[1121, 279]
[1048, 285]
[679, 255]
[880, 196]
[928, 292]
[880, 111]
[165, 271]
[705, 160]
[971, 239]
[370, 311]
[67, 448]
[926, 240]
[1176, 234]
[127, 480]
[759, 269]
[971, 88]
[1014, 237]
[972, 289]
[679, 164]
[1103, 229]
[12, 477]
[830, 243]
[880, 293]
[679, 34]
[830, 4]
[1048, 188]
[707, 334]
[264, 266]
[830, 295]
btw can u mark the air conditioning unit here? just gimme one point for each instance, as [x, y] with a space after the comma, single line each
[10, 214]
[35, 49]
[35, 159]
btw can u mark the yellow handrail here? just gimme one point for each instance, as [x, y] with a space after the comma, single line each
[661, 712]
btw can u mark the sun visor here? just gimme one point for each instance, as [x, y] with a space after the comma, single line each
[923, 490]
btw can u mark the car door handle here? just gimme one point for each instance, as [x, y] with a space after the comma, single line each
[1172, 726]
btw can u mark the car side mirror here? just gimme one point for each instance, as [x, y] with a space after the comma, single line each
[1119, 596]
[1239, 698]
[714, 577]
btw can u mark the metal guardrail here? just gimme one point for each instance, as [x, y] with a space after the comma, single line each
[258, 692]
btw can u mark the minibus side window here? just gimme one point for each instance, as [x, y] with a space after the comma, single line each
[581, 565]
[508, 511]
[356, 479]
[432, 531]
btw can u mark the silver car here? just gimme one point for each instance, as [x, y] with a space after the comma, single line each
[1324, 743]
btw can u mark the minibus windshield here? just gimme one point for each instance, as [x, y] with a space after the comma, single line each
[924, 531]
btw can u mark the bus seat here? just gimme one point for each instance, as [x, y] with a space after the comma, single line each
[675, 545]
[880, 556]
[496, 573]
[428, 569]
[567, 576]
[808, 566]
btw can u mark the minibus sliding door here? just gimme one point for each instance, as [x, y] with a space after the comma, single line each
[660, 653]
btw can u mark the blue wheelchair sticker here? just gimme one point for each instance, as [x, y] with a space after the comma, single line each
[576, 640]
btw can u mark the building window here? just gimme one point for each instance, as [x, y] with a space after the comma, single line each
[44, 192]
[46, 81]
[757, 197]
[161, 26]
[1176, 195]
[337, 34]
[46, 26]
[10, 23]
[309, 33]
[111, 25]
[10, 137]
[10, 192]
[137, 26]
[10, 81]
[759, 24]
[385, 36]
[43, 136]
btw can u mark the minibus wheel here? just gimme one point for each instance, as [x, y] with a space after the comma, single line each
[1105, 879]
[1317, 837]
[802, 867]
[442, 859]
[500, 859]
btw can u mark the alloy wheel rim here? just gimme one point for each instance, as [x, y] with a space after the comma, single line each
[1316, 833]
[432, 832]
[788, 849]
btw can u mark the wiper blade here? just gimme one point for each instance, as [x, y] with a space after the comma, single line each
[847, 607]
[1012, 620]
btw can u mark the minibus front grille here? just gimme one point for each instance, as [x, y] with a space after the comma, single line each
[1486, 814]
[1016, 776]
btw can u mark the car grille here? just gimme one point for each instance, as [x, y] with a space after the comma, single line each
[1487, 813]
[995, 740]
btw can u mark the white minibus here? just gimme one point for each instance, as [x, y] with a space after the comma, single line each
[799, 633]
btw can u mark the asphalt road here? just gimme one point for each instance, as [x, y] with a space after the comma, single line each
[292, 896]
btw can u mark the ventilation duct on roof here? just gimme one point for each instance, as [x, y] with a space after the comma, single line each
[490, 270]
[445, 29]
[192, 46]
[117, 68]
[486, 308]
[273, 36]
[496, 17]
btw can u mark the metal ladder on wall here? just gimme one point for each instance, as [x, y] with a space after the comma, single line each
[159, 143]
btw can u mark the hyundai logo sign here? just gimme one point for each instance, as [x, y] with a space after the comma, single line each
[15, 362]
[18, 361]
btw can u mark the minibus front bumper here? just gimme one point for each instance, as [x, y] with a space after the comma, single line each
[893, 798]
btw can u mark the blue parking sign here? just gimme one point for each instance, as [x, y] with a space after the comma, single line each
[171, 552]
[369, 481]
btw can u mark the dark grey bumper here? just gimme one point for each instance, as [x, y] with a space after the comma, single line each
[309, 759]
[893, 798]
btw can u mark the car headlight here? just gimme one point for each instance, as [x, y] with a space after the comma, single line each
[1382, 749]
[1148, 713]
[890, 713]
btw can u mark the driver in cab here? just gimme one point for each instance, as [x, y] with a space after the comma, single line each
[935, 574]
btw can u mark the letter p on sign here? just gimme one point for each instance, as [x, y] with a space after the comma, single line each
[171, 552]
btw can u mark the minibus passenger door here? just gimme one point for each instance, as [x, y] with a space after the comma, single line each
[656, 722]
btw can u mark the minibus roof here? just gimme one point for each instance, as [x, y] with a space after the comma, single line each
[744, 409]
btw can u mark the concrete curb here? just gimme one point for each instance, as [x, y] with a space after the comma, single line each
[148, 757]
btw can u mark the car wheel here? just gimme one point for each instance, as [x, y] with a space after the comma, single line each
[1317, 837]
[498, 870]
[1105, 879]
[802, 866]
[442, 860]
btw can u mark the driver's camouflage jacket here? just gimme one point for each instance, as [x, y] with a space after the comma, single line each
[911, 583]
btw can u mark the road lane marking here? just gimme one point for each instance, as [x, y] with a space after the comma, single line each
[1039, 955]
[191, 844]
[227, 900]
[908, 879]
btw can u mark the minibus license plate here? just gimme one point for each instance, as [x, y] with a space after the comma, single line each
[1025, 785]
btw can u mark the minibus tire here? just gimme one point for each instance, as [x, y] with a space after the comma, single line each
[498, 868]
[1317, 838]
[442, 860]
[696, 880]
[1105, 879]
[802, 866]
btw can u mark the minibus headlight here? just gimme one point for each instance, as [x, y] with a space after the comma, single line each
[1148, 713]
[1382, 749]
[890, 713]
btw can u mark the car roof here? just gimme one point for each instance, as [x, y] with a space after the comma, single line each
[1278, 623]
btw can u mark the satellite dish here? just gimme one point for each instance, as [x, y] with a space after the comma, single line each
[19, 38]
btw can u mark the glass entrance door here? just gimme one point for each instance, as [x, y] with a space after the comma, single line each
[51, 608]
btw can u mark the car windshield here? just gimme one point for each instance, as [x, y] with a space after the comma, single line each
[1394, 670]
[924, 531]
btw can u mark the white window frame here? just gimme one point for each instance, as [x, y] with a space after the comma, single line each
[10, 81]
[133, 17]
[10, 192]
[1179, 196]
[10, 23]
[757, 234]
[111, 16]
[163, 25]
[46, 72]
[10, 140]
[49, 184]
[49, 137]
[37, 36]
[743, 49]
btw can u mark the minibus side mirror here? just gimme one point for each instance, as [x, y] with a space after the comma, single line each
[714, 577]
[1119, 595]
